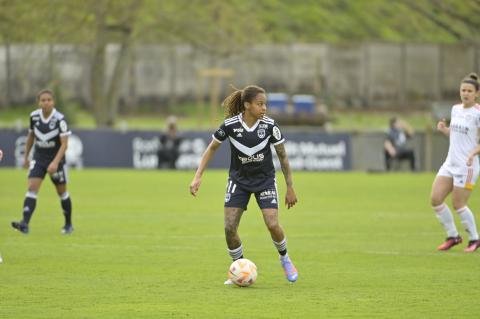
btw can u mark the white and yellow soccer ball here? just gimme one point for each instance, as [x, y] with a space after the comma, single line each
[242, 272]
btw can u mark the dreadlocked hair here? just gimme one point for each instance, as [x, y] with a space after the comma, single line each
[234, 104]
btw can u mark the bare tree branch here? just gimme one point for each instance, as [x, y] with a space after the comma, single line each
[433, 18]
[464, 18]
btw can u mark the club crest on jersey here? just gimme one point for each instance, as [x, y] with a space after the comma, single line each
[261, 133]
[52, 124]
[276, 133]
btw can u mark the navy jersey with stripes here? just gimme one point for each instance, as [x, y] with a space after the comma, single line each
[251, 163]
[47, 133]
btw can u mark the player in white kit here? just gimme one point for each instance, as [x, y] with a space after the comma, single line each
[460, 170]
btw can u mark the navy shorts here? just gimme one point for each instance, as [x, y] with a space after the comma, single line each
[38, 169]
[236, 196]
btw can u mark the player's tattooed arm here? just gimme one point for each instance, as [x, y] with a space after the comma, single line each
[290, 196]
[284, 163]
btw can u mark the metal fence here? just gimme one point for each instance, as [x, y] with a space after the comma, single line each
[368, 75]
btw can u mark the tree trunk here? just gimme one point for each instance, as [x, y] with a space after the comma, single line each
[105, 99]
[131, 100]
[117, 80]
[172, 97]
[97, 74]
[8, 77]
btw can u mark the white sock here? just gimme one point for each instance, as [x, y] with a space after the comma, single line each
[445, 217]
[281, 246]
[468, 222]
[236, 253]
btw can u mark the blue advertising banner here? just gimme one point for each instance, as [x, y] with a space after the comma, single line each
[140, 149]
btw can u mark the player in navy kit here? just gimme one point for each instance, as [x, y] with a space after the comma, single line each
[251, 133]
[48, 134]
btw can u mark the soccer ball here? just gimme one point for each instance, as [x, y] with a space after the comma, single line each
[242, 272]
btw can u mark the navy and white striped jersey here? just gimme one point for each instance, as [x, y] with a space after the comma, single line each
[251, 163]
[47, 133]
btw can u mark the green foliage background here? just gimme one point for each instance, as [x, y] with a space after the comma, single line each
[223, 25]
[219, 28]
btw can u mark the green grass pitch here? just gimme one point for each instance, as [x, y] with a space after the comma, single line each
[364, 245]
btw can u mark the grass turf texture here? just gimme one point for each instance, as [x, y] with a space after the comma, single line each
[364, 246]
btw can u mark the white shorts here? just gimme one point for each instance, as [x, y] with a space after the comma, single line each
[464, 177]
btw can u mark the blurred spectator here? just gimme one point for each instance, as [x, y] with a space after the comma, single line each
[396, 145]
[168, 150]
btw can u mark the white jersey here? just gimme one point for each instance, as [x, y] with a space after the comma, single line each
[464, 128]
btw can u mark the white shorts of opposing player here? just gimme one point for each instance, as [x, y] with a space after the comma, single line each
[463, 177]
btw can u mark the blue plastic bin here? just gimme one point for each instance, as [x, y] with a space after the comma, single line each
[303, 103]
[277, 102]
